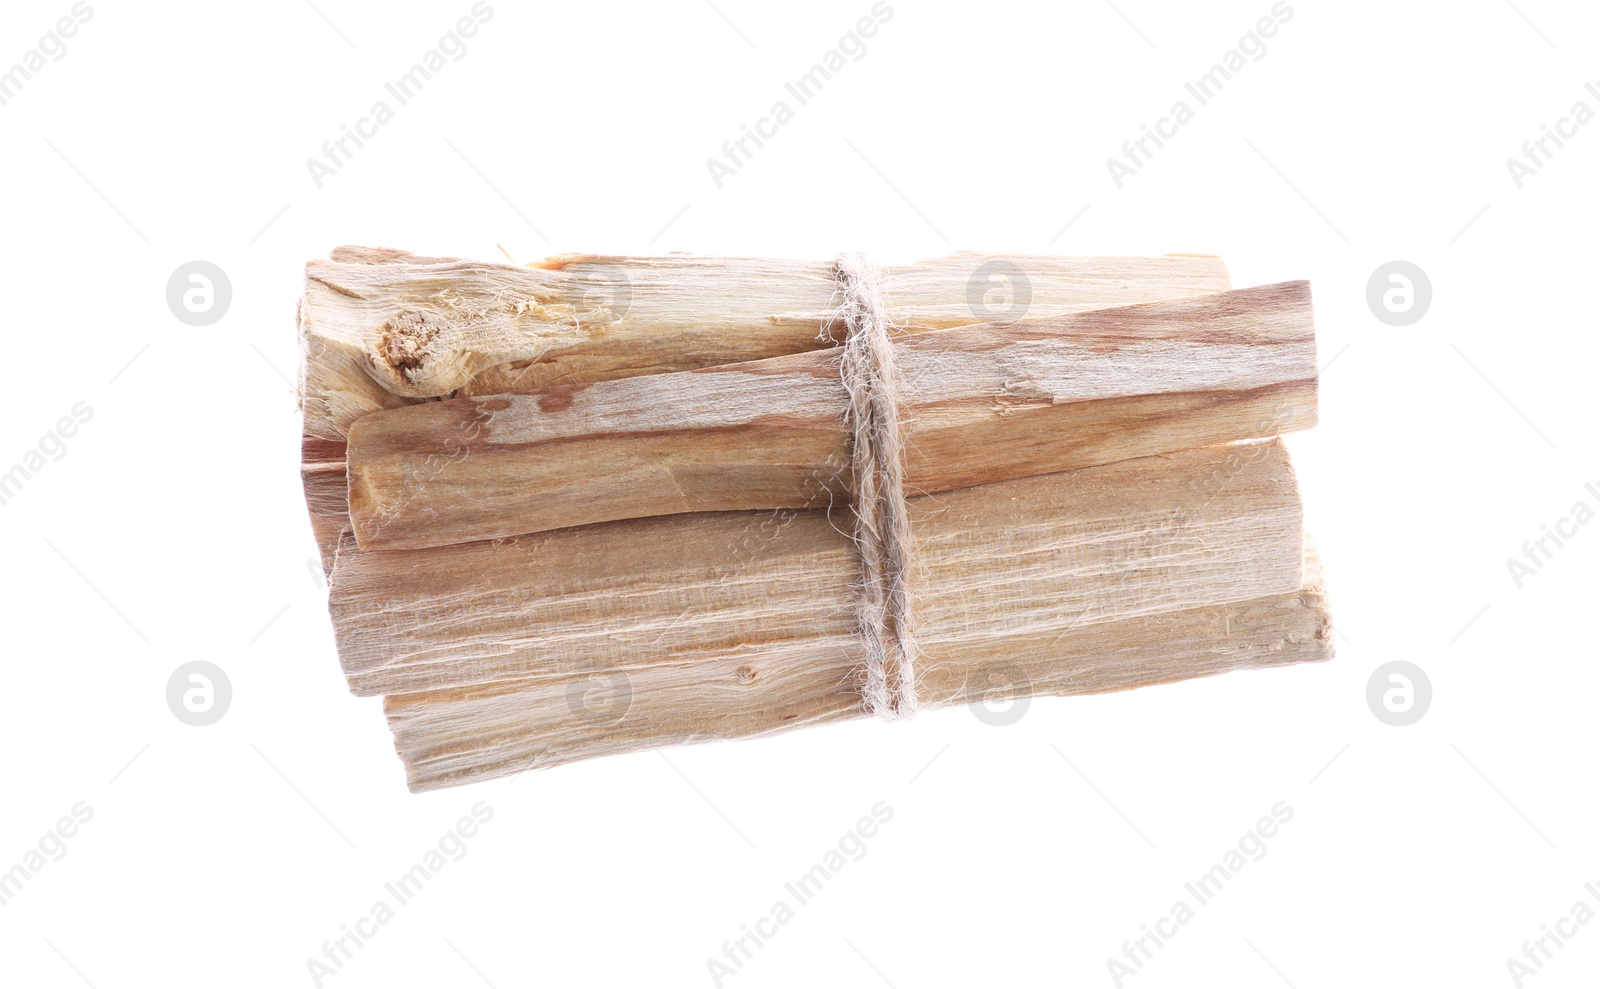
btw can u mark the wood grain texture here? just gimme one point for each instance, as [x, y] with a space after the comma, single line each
[356, 324]
[450, 737]
[1151, 534]
[380, 328]
[322, 475]
[736, 623]
[980, 404]
[599, 500]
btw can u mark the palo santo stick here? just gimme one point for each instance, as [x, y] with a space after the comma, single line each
[707, 591]
[380, 329]
[356, 325]
[981, 404]
[455, 736]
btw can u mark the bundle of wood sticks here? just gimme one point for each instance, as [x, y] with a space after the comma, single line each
[601, 504]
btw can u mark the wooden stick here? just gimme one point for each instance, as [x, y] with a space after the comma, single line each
[452, 736]
[350, 317]
[381, 329]
[452, 381]
[982, 403]
[707, 593]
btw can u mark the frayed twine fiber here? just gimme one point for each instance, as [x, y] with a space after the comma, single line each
[877, 459]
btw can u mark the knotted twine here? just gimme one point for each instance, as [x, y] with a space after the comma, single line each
[882, 529]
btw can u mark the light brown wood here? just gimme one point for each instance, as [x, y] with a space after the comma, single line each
[533, 453]
[368, 314]
[380, 329]
[752, 612]
[454, 736]
[980, 403]
[357, 323]
[1164, 532]
[322, 475]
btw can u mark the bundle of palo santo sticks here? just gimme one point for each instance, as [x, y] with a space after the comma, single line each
[601, 504]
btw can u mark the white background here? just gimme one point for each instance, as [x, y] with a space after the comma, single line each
[174, 528]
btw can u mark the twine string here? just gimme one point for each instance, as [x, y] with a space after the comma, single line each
[882, 528]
